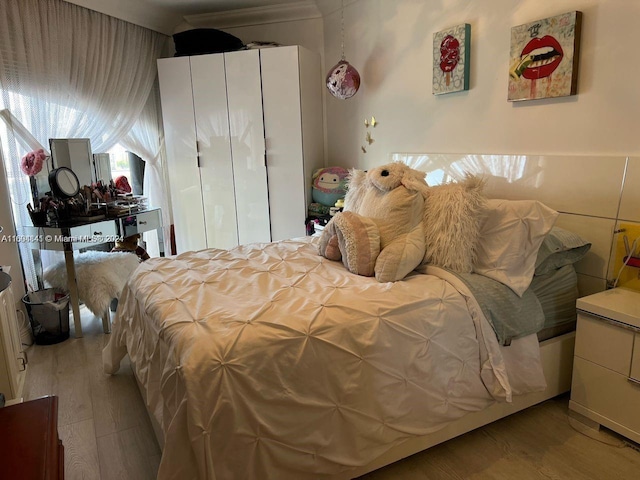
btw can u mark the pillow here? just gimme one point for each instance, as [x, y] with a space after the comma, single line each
[452, 216]
[509, 240]
[559, 248]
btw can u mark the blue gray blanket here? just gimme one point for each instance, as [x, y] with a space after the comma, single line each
[510, 316]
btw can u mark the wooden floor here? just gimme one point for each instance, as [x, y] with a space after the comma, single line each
[102, 421]
[107, 435]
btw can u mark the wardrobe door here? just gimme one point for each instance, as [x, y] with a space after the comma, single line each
[244, 96]
[292, 100]
[180, 139]
[214, 150]
[281, 92]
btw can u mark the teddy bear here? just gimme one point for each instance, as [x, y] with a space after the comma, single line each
[130, 244]
[381, 230]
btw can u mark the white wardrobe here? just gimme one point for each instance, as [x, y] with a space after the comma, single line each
[244, 134]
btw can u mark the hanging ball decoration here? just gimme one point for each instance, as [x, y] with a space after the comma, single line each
[343, 80]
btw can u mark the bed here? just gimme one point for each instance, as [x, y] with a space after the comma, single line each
[270, 361]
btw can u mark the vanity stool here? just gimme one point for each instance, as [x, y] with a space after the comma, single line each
[100, 277]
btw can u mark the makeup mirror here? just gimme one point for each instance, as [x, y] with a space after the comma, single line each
[63, 182]
[75, 154]
[102, 167]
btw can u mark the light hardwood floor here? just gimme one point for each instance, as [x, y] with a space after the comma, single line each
[102, 421]
[107, 435]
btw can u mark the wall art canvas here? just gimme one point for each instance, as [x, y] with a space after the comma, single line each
[451, 51]
[544, 58]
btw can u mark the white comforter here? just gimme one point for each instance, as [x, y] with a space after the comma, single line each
[270, 361]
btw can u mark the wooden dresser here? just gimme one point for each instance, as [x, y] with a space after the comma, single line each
[30, 448]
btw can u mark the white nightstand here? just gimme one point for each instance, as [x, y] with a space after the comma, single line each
[606, 367]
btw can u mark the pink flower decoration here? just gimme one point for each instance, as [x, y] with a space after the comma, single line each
[32, 162]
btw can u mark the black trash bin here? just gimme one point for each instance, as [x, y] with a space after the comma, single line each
[48, 311]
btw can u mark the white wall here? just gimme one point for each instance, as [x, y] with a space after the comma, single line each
[307, 33]
[390, 43]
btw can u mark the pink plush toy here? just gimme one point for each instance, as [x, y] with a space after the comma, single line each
[329, 185]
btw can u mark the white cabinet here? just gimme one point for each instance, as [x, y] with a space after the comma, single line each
[243, 134]
[12, 360]
[606, 370]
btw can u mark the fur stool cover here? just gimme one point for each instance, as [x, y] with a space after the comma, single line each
[100, 276]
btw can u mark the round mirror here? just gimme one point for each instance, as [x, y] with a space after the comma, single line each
[64, 183]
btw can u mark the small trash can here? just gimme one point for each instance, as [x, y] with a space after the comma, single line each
[48, 311]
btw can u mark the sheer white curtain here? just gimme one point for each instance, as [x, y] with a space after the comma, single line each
[146, 140]
[66, 71]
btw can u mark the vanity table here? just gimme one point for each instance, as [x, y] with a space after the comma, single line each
[85, 234]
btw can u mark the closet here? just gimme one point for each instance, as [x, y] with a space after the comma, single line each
[243, 135]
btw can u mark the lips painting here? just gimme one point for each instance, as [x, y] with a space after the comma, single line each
[545, 55]
[544, 58]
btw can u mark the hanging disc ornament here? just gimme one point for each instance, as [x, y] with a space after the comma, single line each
[343, 80]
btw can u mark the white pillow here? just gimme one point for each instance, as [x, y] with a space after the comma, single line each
[510, 237]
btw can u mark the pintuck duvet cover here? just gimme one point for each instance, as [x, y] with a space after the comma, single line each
[270, 361]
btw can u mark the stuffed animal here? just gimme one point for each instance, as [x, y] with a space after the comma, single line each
[329, 185]
[130, 244]
[381, 230]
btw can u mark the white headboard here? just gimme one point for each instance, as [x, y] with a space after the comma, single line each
[593, 194]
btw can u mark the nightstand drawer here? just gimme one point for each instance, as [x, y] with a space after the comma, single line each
[606, 393]
[604, 343]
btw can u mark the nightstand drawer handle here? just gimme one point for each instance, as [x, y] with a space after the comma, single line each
[635, 381]
[142, 223]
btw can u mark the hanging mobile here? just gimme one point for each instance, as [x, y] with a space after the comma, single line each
[343, 80]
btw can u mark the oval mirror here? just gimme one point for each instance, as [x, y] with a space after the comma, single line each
[63, 182]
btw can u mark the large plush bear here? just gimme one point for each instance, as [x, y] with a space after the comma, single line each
[381, 230]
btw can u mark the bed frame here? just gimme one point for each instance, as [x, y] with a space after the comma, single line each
[589, 207]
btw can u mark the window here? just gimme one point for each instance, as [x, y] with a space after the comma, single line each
[119, 162]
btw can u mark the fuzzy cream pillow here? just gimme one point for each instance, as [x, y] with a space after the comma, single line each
[452, 218]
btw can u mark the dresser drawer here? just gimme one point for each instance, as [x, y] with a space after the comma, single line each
[93, 234]
[108, 228]
[140, 222]
[607, 394]
[603, 343]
